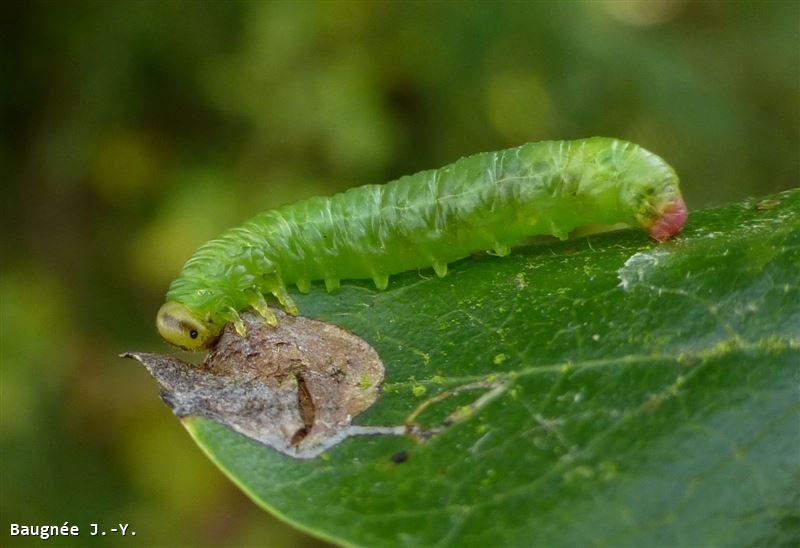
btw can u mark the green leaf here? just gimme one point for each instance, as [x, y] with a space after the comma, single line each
[652, 397]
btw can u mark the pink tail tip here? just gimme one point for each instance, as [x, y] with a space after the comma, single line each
[671, 221]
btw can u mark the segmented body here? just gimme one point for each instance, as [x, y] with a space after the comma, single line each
[488, 201]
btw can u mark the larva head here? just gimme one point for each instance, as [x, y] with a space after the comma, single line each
[650, 188]
[180, 327]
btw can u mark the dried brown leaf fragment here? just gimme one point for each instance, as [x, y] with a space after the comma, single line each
[295, 387]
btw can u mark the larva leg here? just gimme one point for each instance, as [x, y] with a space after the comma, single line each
[440, 268]
[237, 322]
[303, 286]
[286, 301]
[381, 281]
[273, 284]
[332, 285]
[259, 304]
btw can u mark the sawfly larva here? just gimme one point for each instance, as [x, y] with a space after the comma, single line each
[488, 201]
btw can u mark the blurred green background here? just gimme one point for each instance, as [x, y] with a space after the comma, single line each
[135, 131]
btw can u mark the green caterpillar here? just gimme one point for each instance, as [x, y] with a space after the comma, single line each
[488, 201]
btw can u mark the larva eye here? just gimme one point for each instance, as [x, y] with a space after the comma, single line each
[180, 327]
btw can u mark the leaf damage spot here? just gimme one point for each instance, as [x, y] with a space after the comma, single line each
[295, 388]
[491, 391]
[639, 266]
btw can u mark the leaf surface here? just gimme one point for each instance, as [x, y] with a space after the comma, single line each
[650, 396]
